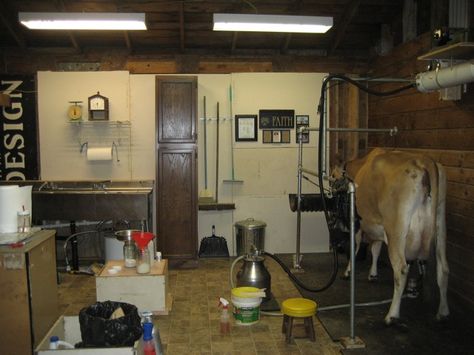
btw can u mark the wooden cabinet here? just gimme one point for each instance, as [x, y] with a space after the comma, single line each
[28, 293]
[176, 174]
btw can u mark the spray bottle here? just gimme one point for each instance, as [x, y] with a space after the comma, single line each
[224, 318]
[151, 336]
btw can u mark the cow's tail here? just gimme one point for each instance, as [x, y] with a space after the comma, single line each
[438, 207]
[437, 177]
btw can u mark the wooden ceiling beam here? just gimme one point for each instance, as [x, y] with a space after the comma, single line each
[234, 42]
[341, 28]
[74, 42]
[128, 42]
[286, 43]
[10, 27]
[181, 26]
[72, 37]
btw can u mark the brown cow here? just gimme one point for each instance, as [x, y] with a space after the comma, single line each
[400, 198]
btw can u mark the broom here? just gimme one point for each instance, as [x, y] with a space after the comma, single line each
[205, 196]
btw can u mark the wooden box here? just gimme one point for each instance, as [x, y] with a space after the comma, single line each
[148, 292]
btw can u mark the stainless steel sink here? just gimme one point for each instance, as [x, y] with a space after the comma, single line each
[90, 200]
[94, 187]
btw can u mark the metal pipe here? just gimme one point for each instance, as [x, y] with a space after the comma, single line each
[388, 80]
[309, 171]
[391, 131]
[351, 191]
[324, 138]
[298, 206]
[74, 247]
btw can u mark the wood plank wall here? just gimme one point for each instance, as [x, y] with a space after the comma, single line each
[347, 108]
[445, 131]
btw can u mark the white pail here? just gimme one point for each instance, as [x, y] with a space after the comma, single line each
[246, 309]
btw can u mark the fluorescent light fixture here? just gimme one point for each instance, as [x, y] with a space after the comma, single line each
[272, 23]
[82, 20]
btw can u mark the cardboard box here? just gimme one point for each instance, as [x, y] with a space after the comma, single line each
[68, 329]
[148, 292]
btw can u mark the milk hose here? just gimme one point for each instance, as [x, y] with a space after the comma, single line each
[326, 308]
[290, 274]
[302, 285]
[68, 267]
[97, 230]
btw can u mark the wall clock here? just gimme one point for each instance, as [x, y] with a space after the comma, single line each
[74, 112]
[98, 107]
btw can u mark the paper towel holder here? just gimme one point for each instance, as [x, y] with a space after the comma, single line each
[85, 145]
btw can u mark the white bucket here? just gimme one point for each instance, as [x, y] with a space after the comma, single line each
[113, 249]
[246, 309]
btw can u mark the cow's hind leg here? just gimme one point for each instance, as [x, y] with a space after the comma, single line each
[396, 252]
[375, 251]
[358, 238]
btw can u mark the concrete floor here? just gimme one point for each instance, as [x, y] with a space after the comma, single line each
[420, 333]
[192, 327]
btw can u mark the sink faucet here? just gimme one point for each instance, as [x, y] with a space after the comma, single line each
[48, 184]
[100, 185]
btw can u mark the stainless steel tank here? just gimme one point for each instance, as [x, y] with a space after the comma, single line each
[250, 236]
[254, 274]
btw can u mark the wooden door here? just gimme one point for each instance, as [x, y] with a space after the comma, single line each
[176, 174]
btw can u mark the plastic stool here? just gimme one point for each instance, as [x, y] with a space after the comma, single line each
[300, 308]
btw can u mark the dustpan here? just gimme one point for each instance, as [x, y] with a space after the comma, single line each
[213, 246]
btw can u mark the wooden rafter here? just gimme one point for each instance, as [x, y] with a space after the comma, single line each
[341, 28]
[72, 37]
[128, 42]
[14, 32]
[286, 43]
[235, 36]
[181, 26]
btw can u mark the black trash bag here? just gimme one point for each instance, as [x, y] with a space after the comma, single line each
[97, 330]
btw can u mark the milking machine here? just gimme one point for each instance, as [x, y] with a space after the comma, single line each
[337, 205]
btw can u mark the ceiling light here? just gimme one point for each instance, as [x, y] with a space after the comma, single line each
[272, 23]
[82, 20]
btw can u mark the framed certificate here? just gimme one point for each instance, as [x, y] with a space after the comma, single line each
[246, 128]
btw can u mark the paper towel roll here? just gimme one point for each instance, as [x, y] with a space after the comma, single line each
[99, 153]
[13, 199]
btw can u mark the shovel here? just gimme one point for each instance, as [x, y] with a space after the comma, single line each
[213, 246]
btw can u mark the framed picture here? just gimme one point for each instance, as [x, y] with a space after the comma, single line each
[302, 120]
[246, 128]
[276, 136]
[277, 119]
[285, 136]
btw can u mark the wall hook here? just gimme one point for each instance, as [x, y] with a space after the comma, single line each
[84, 146]
[116, 151]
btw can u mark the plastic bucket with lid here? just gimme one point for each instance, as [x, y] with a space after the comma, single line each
[246, 304]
